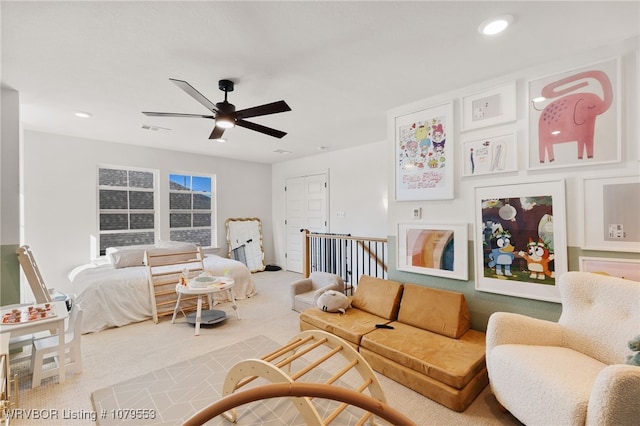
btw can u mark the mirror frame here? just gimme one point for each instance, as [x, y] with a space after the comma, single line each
[246, 219]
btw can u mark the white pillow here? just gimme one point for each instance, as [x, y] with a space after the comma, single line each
[126, 257]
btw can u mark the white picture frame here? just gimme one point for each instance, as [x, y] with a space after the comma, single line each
[489, 107]
[611, 208]
[424, 153]
[490, 155]
[575, 117]
[512, 222]
[433, 249]
[628, 269]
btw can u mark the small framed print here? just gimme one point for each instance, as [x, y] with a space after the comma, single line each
[629, 269]
[495, 154]
[490, 107]
[433, 249]
[611, 210]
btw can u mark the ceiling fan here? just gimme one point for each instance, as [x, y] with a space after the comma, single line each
[225, 114]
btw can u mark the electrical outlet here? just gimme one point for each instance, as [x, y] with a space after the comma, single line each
[417, 213]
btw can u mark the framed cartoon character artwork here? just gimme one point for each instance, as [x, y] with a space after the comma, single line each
[520, 239]
[574, 117]
[424, 154]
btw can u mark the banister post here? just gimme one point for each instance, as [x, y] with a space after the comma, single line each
[306, 263]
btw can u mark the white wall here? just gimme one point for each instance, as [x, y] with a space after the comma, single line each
[60, 196]
[357, 188]
[9, 196]
[461, 209]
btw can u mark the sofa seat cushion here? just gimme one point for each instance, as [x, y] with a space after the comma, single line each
[556, 378]
[451, 361]
[455, 399]
[350, 326]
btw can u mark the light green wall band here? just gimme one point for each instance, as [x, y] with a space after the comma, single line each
[9, 275]
[482, 304]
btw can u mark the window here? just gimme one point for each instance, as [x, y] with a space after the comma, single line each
[126, 207]
[191, 206]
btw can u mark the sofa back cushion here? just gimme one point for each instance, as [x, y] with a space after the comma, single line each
[378, 297]
[600, 314]
[438, 311]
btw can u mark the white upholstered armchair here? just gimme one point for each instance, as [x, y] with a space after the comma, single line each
[303, 291]
[572, 372]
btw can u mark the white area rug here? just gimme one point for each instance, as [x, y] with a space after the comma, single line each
[170, 395]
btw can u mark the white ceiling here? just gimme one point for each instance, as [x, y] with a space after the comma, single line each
[339, 65]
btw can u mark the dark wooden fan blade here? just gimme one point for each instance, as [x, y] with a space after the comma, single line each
[260, 128]
[216, 133]
[266, 109]
[191, 91]
[177, 114]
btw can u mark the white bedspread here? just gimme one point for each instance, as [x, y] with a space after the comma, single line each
[113, 297]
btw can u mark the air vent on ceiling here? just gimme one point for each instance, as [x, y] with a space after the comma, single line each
[155, 128]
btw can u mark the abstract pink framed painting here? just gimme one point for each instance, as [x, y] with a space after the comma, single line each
[629, 269]
[574, 117]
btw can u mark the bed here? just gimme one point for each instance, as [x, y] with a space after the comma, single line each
[114, 291]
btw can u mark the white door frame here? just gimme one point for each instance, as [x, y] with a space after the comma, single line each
[290, 263]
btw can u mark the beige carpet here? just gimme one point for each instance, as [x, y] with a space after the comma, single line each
[172, 394]
[116, 355]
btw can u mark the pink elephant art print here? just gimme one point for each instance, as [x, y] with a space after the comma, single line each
[572, 117]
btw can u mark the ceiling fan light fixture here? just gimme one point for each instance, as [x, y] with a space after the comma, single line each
[495, 25]
[225, 122]
[225, 114]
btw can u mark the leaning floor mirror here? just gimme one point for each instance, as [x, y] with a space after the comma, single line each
[244, 237]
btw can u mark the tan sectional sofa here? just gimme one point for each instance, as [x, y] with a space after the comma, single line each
[431, 348]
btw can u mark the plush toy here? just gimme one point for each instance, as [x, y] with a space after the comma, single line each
[634, 345]
[333, 301]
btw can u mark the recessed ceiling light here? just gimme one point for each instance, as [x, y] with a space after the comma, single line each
[220, 140]
[323, 148]
[82, 114]
[282, 151]
[495, 25]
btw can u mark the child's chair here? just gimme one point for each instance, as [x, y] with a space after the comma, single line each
[46, 348]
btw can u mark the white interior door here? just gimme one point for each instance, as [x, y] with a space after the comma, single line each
[306, 200]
